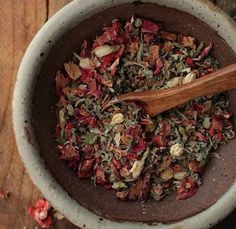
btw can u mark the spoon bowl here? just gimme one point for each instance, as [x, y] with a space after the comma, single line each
[155, 102]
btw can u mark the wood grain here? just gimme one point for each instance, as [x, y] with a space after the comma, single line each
[19, 22]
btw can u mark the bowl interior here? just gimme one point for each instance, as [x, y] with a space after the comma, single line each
[219, 175]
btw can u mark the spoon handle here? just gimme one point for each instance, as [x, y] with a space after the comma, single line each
[156, 102]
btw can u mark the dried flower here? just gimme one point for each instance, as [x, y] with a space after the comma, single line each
[138, 166]
[191, 76]
[117, 119]
[174, 82]
[105, 50]
[85, 63]
[176, 150]
[72, 70]
[40, 213]
[167, 174]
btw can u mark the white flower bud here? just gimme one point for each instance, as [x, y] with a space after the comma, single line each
[167, 174]
[117, 119]
[176, 150]
[105, 50]
[191, 76]
[174, 82]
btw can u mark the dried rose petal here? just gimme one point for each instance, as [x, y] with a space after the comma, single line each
[159, 66]
[86, 168]
[201, 137]
[39, 212]
[61, 82]
[188, 41]
[149, 27]
[68, 152]
[168, 36]
[100, 175]
[159, 141]
[189, 61]
[73, 70]
[205, 52]
[187, 188]
[141, 146]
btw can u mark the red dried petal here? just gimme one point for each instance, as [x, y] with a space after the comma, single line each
[122, 195]
[146, 121]
[88, 151]
[149, 27]
[198, 108]
[133, 156]
[81, 92]
[134, 132]
[115, 171]
[148, 38]
[220, 136]
[110, 34]
[67, 151]
[104, 81]
[86, 168]
[201, 137]
[141, 146]
[100, 175]
[190, 62]
[117, 163]
[61, 82]
[159, 141]
[159, 66]
[186, 195]
[195, 166]
[205, 52]
[184, 191]
[69, 126]
[85, 49]
[166, 129]
[40, 213]
[187, 122]
[106, 62]
[217, 123]
[146, 187]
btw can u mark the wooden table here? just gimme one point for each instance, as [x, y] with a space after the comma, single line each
[19, 21]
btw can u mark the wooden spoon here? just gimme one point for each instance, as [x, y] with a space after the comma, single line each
[155, 102]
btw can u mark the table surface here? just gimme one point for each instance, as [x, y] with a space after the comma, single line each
[19, 22]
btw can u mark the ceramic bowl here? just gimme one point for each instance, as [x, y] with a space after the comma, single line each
[34, 117]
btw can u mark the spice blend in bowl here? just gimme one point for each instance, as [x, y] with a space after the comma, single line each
[84, 200]
[121, 147]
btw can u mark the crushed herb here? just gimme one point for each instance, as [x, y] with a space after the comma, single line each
[121, 147]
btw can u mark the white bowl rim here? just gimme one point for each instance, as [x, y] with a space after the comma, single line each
[63, 20]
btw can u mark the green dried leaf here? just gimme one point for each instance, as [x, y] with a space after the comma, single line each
[207, 122]
[139, 54]
[137, 23]
[90, 138]
[119, 185]
[70, 109]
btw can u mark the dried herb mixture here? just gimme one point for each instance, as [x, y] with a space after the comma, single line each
[122, 148]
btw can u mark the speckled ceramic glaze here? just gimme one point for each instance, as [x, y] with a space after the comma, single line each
[32, 115]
